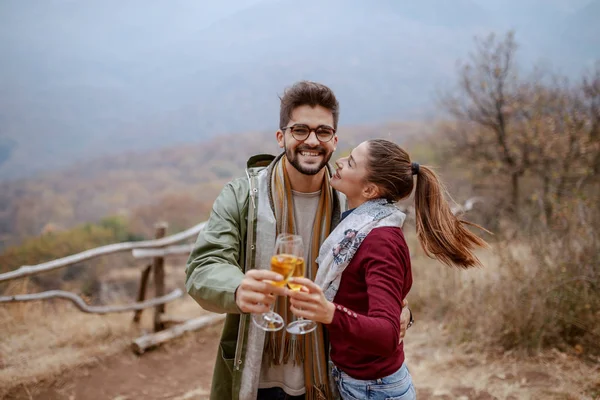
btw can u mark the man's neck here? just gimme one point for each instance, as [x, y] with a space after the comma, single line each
[305, 183]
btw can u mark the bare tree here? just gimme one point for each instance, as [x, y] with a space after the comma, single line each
[591, 91]
[567, 143]
[483, 108]
[544, 130]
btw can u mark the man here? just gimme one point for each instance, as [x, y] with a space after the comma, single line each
[229, 266]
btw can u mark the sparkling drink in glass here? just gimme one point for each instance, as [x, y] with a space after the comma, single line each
[300, 326]
[288, 250]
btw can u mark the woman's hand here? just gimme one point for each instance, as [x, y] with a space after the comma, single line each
[310, 302]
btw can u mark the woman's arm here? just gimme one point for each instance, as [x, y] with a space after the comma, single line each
[385, 260]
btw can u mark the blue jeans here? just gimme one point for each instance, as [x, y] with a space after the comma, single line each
[397, 386]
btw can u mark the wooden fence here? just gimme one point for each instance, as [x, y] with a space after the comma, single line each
[165, 327]
[156, 249]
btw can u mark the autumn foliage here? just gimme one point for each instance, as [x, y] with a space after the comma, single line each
[531, 146]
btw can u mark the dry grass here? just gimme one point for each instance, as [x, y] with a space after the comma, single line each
[464, 371]
[42, 340]
[492, 319]
[438, 288]
[517, 300]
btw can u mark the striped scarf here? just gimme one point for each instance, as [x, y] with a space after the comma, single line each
[309, 348]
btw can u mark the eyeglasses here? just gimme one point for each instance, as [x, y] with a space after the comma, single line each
[301, 132]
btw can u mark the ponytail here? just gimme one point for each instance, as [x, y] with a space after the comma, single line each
[441, 233]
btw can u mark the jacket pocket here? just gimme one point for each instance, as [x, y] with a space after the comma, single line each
[228, 354]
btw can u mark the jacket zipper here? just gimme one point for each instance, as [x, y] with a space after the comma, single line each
[249, 255]
[238, 347]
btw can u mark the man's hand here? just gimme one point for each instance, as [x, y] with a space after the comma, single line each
[256, 294]
[404, 320]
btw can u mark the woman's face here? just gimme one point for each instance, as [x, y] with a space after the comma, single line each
[351, 174]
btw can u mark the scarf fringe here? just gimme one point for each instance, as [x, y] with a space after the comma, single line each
[273, 348]
[317, 392]
[293, 349]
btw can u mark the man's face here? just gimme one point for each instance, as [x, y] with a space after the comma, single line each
[308, 156]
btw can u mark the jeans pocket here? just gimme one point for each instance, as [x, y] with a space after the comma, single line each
[351, 389]
[399, 378]
[397, 386]
[410, 394]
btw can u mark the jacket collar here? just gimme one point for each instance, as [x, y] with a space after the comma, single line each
[268, 160]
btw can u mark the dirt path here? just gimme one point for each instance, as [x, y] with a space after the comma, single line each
[179, 370]
[183, 370]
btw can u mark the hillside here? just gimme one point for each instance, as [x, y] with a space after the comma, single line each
[81, 80]
[145, 184]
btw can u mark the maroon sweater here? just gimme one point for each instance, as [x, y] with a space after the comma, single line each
[365, 329]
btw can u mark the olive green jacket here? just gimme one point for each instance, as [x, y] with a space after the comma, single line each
[223, 251]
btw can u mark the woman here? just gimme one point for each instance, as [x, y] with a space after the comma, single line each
[365, 272]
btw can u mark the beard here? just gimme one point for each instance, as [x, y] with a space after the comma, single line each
[293, 154]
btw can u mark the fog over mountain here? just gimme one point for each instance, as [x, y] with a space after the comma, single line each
[81, 79]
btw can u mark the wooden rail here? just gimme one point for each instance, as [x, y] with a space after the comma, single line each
[28, 270]
[155, 249]
[166, 251]
[143, 343]
[81, 304]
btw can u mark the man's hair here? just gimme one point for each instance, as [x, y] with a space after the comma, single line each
[307, 93]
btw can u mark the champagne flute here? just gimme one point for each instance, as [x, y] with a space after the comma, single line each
[300, 326]
[288, 250]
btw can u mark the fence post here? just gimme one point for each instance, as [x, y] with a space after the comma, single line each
[142, 291]
[159, 278]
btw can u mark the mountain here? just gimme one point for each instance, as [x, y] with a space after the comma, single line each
[561, 33]
[85, 79]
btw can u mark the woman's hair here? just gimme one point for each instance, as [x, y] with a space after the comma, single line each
[441, 233]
